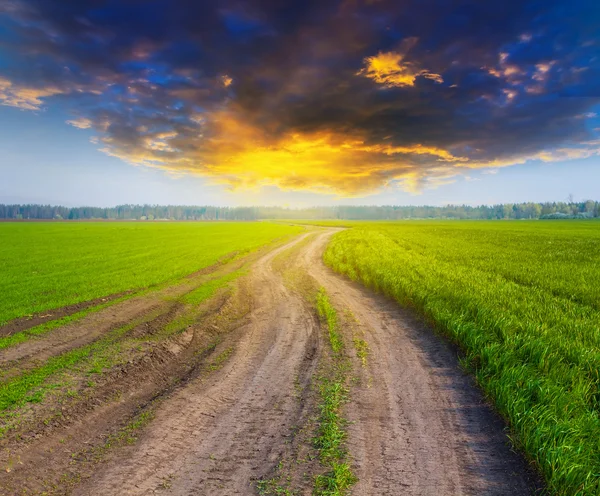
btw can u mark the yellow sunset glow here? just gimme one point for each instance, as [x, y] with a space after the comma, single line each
[245, 156]
[390, 69]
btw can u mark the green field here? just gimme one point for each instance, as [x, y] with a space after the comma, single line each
[44, 266]
[522, 299]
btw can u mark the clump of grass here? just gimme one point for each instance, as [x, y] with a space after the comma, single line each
[269, 487]
[329, 315]
[362, 350]
[523, 302]
[336, 482]
[128, 434]
[220, 359]
[333, 390]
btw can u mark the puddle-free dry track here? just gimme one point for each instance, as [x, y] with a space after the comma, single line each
[418, 425]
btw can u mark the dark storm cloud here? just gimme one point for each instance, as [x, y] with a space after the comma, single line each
[329, 96]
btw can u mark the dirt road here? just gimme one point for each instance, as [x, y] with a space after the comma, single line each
[418, 425]
[219, 436]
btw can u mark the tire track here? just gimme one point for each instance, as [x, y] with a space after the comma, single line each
[217, 437]
[419, 425]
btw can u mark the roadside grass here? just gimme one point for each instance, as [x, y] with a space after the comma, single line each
[522, 300]
[44, 266]
[333, 390]
[362, 350]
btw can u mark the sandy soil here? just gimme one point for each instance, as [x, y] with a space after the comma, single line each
[218, 436]
[418, 425]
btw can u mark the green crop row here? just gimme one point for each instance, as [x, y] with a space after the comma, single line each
[44, 266]
[333, 390]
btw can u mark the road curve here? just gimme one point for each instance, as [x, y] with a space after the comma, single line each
[419, 425]
[218, 436]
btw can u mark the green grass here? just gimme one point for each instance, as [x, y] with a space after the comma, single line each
[362, 350]
[220, 359]
[44, 266]
[522, 299]
[32, 385]
[333, 390]
[129, 433]
[208, 289]
[329, 315]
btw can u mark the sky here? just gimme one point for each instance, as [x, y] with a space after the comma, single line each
[299, 103]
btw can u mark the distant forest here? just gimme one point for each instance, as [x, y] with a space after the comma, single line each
[550, 210]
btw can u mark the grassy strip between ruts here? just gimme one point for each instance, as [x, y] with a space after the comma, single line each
[32, 385]
[40, 330]
[19, 390]
[333, 389]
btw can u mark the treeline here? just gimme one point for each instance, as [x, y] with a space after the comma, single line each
[127, 212]
[585, 209]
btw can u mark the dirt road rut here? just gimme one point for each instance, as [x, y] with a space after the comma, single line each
[221, 435]
[418, 425]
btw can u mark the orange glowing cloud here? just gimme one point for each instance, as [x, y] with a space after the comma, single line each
[230, 149]
[391, 69]
[243, 156]
[226, 80]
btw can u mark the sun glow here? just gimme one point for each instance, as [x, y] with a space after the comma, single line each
[390, 69]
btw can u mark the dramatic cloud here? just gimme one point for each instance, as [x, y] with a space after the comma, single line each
[390, 69]
[329, 96]
[387, 69]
